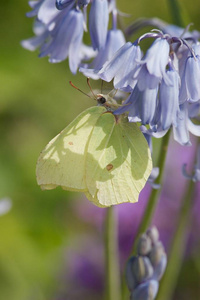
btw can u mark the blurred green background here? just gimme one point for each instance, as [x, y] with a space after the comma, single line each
[36, 102]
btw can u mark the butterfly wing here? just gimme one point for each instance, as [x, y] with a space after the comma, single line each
[62, 162]
[118, 161]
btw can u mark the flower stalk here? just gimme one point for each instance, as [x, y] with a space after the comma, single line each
[175, 256]
[113, 284]
[154, 197]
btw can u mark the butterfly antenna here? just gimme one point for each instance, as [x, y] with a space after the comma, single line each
[79, 89]
[113, 92]
[88, 82]
[101, 86]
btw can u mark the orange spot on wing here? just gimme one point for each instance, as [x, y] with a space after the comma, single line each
[71, 143]
[109, 167]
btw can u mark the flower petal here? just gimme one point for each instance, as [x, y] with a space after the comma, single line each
[98, 23]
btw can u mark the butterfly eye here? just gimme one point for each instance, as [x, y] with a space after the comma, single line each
[101, 99]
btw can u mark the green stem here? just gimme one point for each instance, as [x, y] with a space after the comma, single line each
[113, 283]
[176, 15]
[151, 206]
[175, 257]
[154, 197]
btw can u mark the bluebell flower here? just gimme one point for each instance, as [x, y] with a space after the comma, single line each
[169, 100]
[63, 43]
[35, 5]
[196, 174]
[115, 40]
[41, 34]
[191, 77]
[154, 64]
[98, 23]
[180, 131]
[177, 31]
[152, 178]
[141, 105]
[62, 4]
[155, 171]
[122, 67]
[56, 39]
[47, 12]
[185, 124]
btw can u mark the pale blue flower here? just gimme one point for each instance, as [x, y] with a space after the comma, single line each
[41, 34]
[122, 67]
[47, 12]
[55, 38]
[98, 23]
[190, 74]
[141, 105]
[192, 78]
[181, 132]
[35, 5]
[61, 4]
[184, 125]
[115, 39]
[176, 31]
[63, 43]
[152, 178]
[169, 100]
[154, 65]
[155, 171]
[196, 173]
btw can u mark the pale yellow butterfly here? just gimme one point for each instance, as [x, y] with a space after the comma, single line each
[100, 154]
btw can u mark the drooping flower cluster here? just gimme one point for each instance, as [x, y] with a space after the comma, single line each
[144, 271]
[59, 27]
[164, 84]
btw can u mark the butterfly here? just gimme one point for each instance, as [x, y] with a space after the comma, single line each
[100, 154]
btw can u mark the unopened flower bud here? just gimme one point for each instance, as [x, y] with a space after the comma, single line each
[138, 270]
[142, 268]
[145, 291]
[158, 259]
[144, 245]
[130, 276]
[153, 234]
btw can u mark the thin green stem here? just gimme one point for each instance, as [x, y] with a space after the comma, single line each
[175, 9]
[151, 205]
[169, 280]
[154, 197]
[113, 283]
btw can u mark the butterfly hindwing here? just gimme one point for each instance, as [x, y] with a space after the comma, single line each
[118, 161]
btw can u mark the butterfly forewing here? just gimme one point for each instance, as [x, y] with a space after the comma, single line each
[62, 162]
